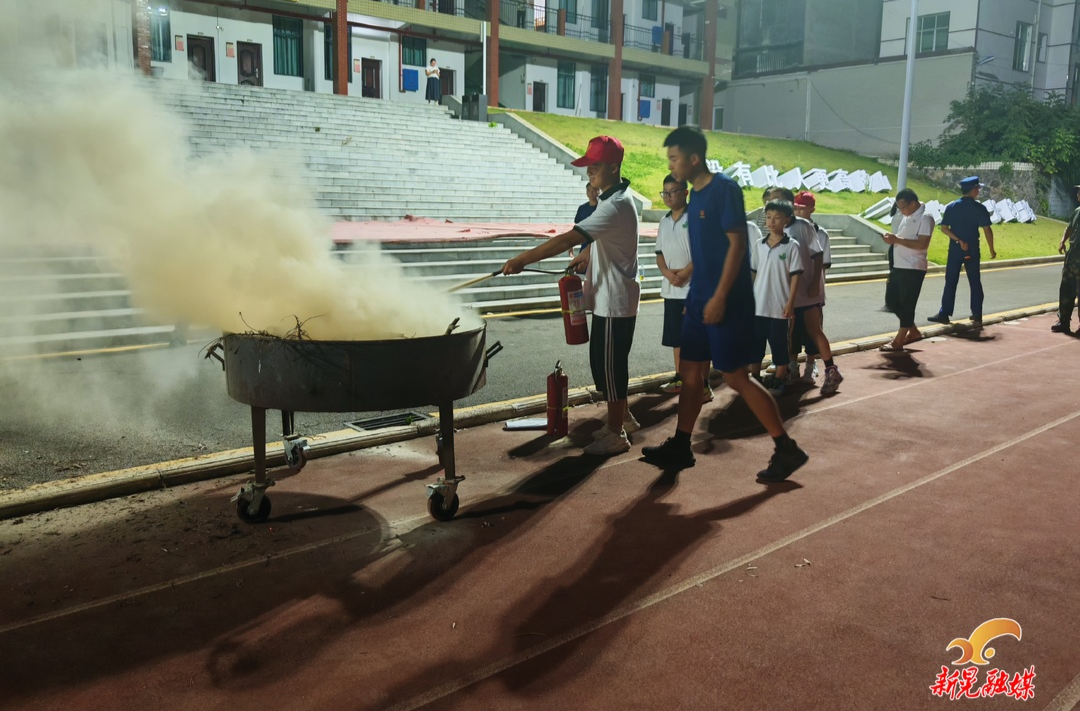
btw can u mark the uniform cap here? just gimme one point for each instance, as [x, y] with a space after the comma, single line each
[970, 183]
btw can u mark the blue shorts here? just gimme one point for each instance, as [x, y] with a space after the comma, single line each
[730, 344]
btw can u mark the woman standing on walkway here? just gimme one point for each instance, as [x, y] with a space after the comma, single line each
[433, 92]
[909, 245]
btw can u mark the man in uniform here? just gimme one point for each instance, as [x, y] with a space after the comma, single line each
[1070, 271]
[961, 223]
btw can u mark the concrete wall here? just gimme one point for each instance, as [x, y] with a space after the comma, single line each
[856, 108]
[841, 31]
[963, 19]
[512, 80]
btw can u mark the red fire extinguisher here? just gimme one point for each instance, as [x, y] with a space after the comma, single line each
[558, 402]
[572, 295]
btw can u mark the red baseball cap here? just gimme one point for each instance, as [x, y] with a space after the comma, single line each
[806, 199]
[602, 149]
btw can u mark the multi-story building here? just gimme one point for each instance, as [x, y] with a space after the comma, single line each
[832, 71]
[647, 61]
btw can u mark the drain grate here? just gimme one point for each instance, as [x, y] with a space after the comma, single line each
[383, 421]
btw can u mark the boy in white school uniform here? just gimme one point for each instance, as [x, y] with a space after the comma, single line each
[673, 260]
[777, 266]
[805, 205]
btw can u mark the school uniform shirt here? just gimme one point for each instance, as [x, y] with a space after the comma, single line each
[583, 211]
[826, 258]
[773, 267]
[917, 224]
[803, 232]
[612, 289]
[714, 211]
[673, 242]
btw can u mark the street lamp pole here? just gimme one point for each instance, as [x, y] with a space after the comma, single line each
[909, 86]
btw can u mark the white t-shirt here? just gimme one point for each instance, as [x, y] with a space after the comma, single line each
[773, 267]
[673, 241]
[611, 288]
[826, 259]
[803, 232]
[912, 227]
[432, 71]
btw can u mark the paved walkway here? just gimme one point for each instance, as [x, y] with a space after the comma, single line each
[939, 495]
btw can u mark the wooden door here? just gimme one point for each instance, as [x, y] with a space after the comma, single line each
[539, 96]
[372, 74]
[201, 58]
[446, 82]
[249, 63]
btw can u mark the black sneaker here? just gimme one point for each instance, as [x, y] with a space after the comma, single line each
[669, 455]
[783, 463]
[1060, 327]
[938, 318]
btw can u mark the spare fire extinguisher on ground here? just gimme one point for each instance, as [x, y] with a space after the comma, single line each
[558, 402]
[572, 295]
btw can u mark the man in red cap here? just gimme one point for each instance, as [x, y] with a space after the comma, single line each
[612, 290]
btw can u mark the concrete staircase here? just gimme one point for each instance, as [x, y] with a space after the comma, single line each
[370, 159]
[856, 252]
[447, 265]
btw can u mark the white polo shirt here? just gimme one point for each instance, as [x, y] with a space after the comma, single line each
[673, 242]
[803, 232]
[826, 259]
[917, 224]
[612, 289]
[773, 267]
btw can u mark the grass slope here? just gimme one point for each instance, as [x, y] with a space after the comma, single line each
[645, 164]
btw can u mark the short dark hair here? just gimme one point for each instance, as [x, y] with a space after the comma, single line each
[783, 206]
[788, 195]
[765, 195]
[672, 179]
[907, 195]
[688, 139]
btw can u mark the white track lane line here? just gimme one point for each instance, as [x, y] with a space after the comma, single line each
[491, 670]
[396, 525]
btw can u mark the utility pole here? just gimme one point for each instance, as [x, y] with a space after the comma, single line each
[909, 86]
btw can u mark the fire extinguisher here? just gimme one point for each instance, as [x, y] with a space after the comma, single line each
[572, 295]
[558, 402]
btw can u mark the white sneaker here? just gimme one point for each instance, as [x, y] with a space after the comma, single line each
[610, 443]
[629, 425]
[810, 375]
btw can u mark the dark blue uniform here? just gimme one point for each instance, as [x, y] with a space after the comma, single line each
[965, 217]
[711, 213]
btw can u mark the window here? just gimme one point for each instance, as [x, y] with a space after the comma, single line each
[1021, 60]
[600, 18]
[648, 86]
[598, 93]
[571, 10]
[413, 51]
[160, 35]
[932, 33]
[328, 53]
[648, 9]
[1040, 53]
[288, 46]
[567, 85]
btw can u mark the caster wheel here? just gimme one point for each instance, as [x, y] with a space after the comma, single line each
[301, 460]
[440, 509]
[261, 515]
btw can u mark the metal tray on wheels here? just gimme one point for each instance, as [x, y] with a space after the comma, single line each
[293, 375]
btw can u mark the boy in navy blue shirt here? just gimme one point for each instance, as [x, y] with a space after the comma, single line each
[719, 324]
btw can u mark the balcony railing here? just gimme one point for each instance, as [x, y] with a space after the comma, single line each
[656, 39]
[762, 60]
[444, 7]
[540, 18]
